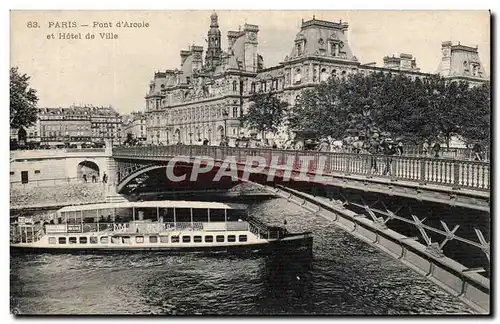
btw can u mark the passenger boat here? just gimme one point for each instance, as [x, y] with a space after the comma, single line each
[153, 226]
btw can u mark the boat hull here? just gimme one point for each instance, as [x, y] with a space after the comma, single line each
[298, 242]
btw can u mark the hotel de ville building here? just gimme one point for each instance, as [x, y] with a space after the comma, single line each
[205, 97]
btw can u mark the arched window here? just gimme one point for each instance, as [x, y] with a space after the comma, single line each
[299, 49]
[323, 76]
[235, 86]
[235, 112]
[252, 88]
[264, 86]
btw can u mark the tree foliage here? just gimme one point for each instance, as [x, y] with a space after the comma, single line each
[130, 140]
[265, 114]
[23, 100]
[476, 125]
[431, 108]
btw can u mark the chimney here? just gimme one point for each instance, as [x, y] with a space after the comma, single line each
[231, 38]
[184, 56]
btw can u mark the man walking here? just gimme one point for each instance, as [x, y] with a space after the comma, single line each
[425, 148]
[478, 152]
[436, 149]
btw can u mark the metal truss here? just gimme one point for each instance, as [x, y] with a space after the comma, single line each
[435, 248]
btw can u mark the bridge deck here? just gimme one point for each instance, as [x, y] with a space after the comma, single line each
[471, 177]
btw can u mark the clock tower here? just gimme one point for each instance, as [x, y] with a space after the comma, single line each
[214, 51]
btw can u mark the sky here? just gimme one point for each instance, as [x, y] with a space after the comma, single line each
[117, 72]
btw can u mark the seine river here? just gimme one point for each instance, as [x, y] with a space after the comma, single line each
[344, 277]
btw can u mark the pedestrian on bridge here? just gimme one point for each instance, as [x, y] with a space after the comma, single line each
[436, 148]
[425, 148]
[389, 149]
[400, 148]
[478, 152]
[373, 150]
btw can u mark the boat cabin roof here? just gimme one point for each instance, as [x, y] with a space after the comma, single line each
[155, 204]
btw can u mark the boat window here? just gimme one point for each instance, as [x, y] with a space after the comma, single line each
[164, 238]
[72, 240]
[217, 215]
[104, 240]
[233, 215]
[186, 239]
[83, 240]
[231, 238]
[175, 239]
[209, 238]
[219, 238]
[153, 239]
[242, 238]
[139, 239]
[197, 239]
[52, 240]
[126, 239]
[62, 240]
[93, 240]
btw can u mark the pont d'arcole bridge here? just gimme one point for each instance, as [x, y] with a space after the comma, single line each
[461, 183]
[426, 212]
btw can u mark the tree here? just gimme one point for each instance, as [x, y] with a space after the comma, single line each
[23, 100]
[130, 140]
[319, 109]
[476, 121]
[265, 114]
[430, 108]
[340, 104]
[403, 108]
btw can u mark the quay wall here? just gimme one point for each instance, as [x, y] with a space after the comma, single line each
[39, 166]
[61, 194]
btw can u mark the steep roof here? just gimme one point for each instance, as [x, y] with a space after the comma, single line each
[317, 34]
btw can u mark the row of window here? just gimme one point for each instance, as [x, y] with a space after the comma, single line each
[36, 172]
[152, 239]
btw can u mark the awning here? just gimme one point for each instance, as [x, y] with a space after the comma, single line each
[155, 204]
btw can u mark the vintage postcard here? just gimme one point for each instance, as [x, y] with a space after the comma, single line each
[250, 162]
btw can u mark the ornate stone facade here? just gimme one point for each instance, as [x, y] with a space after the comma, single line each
[203, 101]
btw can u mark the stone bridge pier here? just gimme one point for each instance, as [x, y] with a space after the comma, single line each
[112, 173]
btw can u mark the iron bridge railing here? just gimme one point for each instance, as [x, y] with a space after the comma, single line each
[466, 174]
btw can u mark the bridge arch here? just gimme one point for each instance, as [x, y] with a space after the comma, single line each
[89, 169]
[131, 176]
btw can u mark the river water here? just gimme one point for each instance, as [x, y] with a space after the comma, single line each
[344, 277]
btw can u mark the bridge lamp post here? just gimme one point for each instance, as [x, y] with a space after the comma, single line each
[225, 114]
[209, 137]
[366, 119]
[190, 138]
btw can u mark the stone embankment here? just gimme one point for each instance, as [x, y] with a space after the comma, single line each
[56, 195]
